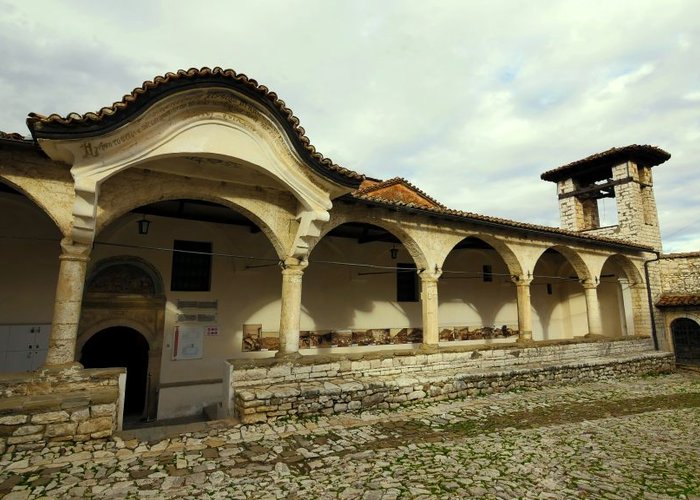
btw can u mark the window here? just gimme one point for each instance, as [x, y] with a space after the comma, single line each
[487, 272]
[191, 266]
[406, 283]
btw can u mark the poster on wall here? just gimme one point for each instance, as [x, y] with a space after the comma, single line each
[188, 342]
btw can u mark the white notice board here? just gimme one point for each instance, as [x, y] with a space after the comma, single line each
[188, 341]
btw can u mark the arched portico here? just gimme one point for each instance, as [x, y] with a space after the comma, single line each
[564, 295]
[361, 287]
[622, 297]
[478, 298]
[29, 251]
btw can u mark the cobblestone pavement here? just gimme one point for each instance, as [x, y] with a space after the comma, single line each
[631, 438]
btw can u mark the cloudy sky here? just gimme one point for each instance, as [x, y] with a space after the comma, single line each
[469, 100]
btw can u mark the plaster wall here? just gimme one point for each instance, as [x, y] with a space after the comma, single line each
[29, 251]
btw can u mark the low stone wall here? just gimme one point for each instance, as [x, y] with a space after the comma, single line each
[70, 404]
[306, 388]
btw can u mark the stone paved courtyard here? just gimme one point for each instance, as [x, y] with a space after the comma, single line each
[631, 438]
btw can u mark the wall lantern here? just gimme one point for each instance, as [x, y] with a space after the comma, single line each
[143, 225]
[394, 252]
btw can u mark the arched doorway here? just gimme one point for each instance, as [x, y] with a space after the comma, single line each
[686, 341]
[120, 346]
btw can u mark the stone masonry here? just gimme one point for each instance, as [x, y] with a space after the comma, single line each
[337, 386]
[50, 405]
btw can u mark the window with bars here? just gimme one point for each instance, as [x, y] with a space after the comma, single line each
[191, 270]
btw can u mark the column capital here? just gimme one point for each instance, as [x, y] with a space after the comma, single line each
[292, 265]
[589, 284]
[432, 275]
[521, 280]
[71, 250]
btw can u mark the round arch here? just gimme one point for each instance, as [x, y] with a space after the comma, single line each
[626, 265]
[40, 203]
[409, 243]
[141, 266]
[122, 346]
[147, 198]
[146, 331]
[576, 261]
[502, 249]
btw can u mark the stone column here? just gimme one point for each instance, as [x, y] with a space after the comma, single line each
[429, 306]
[522, 287]
[69, 297]
[590, 291]
[292, 272]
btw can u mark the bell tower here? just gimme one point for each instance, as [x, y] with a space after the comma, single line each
[623, 174]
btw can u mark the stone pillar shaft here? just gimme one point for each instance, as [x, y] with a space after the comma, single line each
[67, 306]
[595, 325]
[291, 308]
[522, 287]
[429, 307]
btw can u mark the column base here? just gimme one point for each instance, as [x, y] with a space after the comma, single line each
[428, 348]
[72, 366]
[288, 356]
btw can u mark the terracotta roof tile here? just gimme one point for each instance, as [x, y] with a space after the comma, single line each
[649, 156]
[90, 124]
[507, 223]
[684, 255]
[382, 190]
[678, 300]
[11, 136]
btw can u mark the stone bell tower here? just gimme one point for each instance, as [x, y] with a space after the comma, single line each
[623, 174]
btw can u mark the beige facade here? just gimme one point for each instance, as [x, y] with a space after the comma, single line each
[303, 258]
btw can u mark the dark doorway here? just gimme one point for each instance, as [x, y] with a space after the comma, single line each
[120, 346]
[686, 341]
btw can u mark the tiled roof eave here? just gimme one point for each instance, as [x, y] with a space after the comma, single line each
[648, 155]
[75, 125]
[451, 214]
[15, 140]
[670, 300]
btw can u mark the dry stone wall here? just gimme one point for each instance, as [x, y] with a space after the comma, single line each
[58, 405]
[333, 386]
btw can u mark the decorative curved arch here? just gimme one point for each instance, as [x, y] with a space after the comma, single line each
[502, 249]
[576, 261]
[627, 266]
[204, 112]
[142, 98]
[39, 202]
[412, 247]
[127, 260]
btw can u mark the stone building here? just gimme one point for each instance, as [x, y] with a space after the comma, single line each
[193, 223]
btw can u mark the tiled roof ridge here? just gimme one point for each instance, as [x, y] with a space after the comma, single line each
[397, 180]
[679, 255]
[660, 156]
[11, 136]
[498, 220]
[35, 120]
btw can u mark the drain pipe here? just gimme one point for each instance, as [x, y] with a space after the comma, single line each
[649, 298]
